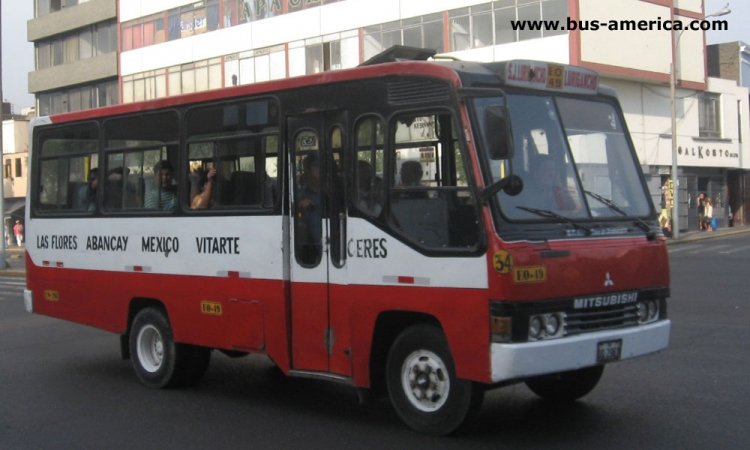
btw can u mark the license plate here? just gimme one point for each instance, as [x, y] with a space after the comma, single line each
[608, 351]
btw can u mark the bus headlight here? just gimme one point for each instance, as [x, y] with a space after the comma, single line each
[546, 326]
[551, 324]
[648, 311]
[536, 327]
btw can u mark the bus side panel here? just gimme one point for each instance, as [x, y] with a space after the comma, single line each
[462, 313]
[219, 278]
[227, 313]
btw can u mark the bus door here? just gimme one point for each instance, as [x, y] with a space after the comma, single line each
[318, 225]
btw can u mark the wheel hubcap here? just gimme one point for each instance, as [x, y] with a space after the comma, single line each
[425, 380]
[150, 348]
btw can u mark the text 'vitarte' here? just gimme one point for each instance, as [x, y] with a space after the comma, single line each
[218, 245]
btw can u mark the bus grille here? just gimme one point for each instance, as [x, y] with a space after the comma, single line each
[578, 322]
[408, 92]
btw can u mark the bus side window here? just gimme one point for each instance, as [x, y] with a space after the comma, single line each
[430, 202]
[237, 143]
[368, 193]
[68, 158]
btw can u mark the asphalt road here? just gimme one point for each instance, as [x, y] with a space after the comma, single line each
[64, 386]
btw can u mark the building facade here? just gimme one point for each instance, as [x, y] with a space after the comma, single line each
[15, 151]
[172, 47]
[76, 58]
[731, 61]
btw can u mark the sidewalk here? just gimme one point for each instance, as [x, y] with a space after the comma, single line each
[15, 255]
[695, 235]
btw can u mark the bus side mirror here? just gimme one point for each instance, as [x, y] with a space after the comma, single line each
[497, 133]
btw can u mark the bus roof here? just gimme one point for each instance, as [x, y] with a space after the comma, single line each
[520, 73]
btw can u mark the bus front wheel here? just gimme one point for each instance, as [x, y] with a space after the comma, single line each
[422, 383]
[566, 386]
[158, 361]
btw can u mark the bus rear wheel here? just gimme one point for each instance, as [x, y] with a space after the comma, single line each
[158, 361]
[566, 387]
[422, 383]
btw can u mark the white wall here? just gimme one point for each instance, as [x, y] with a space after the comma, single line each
[649, 51]
[648, 115]
[15, 136]
[552, 49]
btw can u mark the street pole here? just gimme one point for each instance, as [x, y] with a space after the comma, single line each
[675, 178]
[3, 260]
[673, 99]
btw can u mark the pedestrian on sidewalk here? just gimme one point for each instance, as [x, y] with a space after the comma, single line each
[701, 201]
[18, 232]
[708, 215]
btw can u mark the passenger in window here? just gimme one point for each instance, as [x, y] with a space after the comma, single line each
[203, 199]
[411, 173]
[544, 189]
[369, 189]
[164, 195]
[86, 195]
[309, 210]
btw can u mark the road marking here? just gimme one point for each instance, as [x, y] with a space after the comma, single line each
[735, 250]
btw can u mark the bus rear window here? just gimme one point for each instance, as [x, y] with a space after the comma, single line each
[67, 167]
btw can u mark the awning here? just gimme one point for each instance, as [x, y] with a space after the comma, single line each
[14, 208]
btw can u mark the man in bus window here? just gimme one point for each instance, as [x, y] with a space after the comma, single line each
[545, 190]
[164, 195]
[85, 198]
[203, 198]
[309, 209]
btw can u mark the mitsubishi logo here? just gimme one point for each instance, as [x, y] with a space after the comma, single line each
[608, 281]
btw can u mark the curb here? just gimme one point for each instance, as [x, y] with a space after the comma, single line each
[706, 235]
[13, 273]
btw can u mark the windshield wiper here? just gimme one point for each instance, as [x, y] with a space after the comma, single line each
[612, 205]
[554, 215]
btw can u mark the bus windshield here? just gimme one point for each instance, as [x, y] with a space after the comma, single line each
[573, 157]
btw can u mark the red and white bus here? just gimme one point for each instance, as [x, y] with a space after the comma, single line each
[429, 229]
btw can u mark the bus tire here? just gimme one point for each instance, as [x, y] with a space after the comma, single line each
[157, 360]
[422, 383]
[566, 387]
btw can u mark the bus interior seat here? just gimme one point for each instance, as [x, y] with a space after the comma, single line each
[75, 200]
[113, 193]
[423, 219]
[134, 192]
[243, 188]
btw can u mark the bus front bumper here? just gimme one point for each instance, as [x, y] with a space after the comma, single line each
[28, 300]
[527, 359]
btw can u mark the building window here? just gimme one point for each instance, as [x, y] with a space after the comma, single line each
[81, 44]
[424, 31]
[79, 98]
[19, 168]
[709, 115]
[471, 27]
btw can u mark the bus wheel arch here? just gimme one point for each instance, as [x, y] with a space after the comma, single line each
[388, 326]
[422, 383]
[565, 387]
[158, 361]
